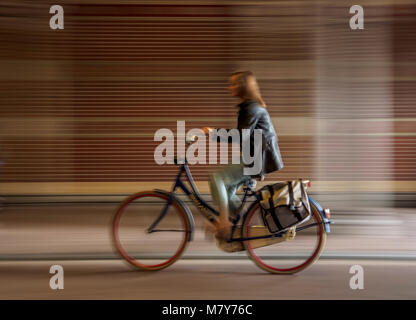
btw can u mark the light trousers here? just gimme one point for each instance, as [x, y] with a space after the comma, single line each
[224, 184]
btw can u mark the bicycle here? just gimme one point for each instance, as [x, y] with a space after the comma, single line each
[167, 222]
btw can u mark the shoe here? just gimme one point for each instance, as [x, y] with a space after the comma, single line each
[223, 244]
[223, 233]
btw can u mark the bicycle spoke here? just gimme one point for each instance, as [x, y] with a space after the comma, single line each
[149, 234]
[298, 247]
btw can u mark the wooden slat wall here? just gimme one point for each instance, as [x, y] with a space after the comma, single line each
[82, 104]
[354, 96]
[404, 90]
[366, 83]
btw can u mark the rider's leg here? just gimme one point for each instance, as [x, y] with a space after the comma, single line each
[224, 184]
[233, 179]
[220, 198]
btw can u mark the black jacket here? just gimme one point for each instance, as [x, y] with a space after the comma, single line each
[253, 116]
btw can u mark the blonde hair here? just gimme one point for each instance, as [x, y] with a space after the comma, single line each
[248, 88]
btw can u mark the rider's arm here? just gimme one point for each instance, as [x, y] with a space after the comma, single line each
[217, 137]
[247, 119]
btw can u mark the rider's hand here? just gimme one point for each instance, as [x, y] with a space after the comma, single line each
[207, 130]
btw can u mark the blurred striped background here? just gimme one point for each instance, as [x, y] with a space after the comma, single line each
[80, 106]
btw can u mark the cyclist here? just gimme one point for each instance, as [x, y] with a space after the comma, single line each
[252, 115]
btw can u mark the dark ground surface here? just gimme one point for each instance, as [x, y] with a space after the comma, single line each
[34, 237]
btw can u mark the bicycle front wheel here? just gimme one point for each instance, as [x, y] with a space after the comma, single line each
[302, 247]
[150, 231]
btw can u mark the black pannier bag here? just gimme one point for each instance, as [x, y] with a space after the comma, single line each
[284, 204]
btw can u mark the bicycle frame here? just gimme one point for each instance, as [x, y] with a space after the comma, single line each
[211, 214]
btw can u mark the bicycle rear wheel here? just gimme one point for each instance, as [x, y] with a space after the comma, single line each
[289, 256]
[148, 233]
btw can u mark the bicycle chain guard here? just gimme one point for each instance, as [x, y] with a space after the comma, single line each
[256, 231]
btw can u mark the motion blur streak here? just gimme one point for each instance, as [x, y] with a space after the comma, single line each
[82, 104]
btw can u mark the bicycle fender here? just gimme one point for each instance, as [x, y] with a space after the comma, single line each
[185, 209]
[327, 222]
